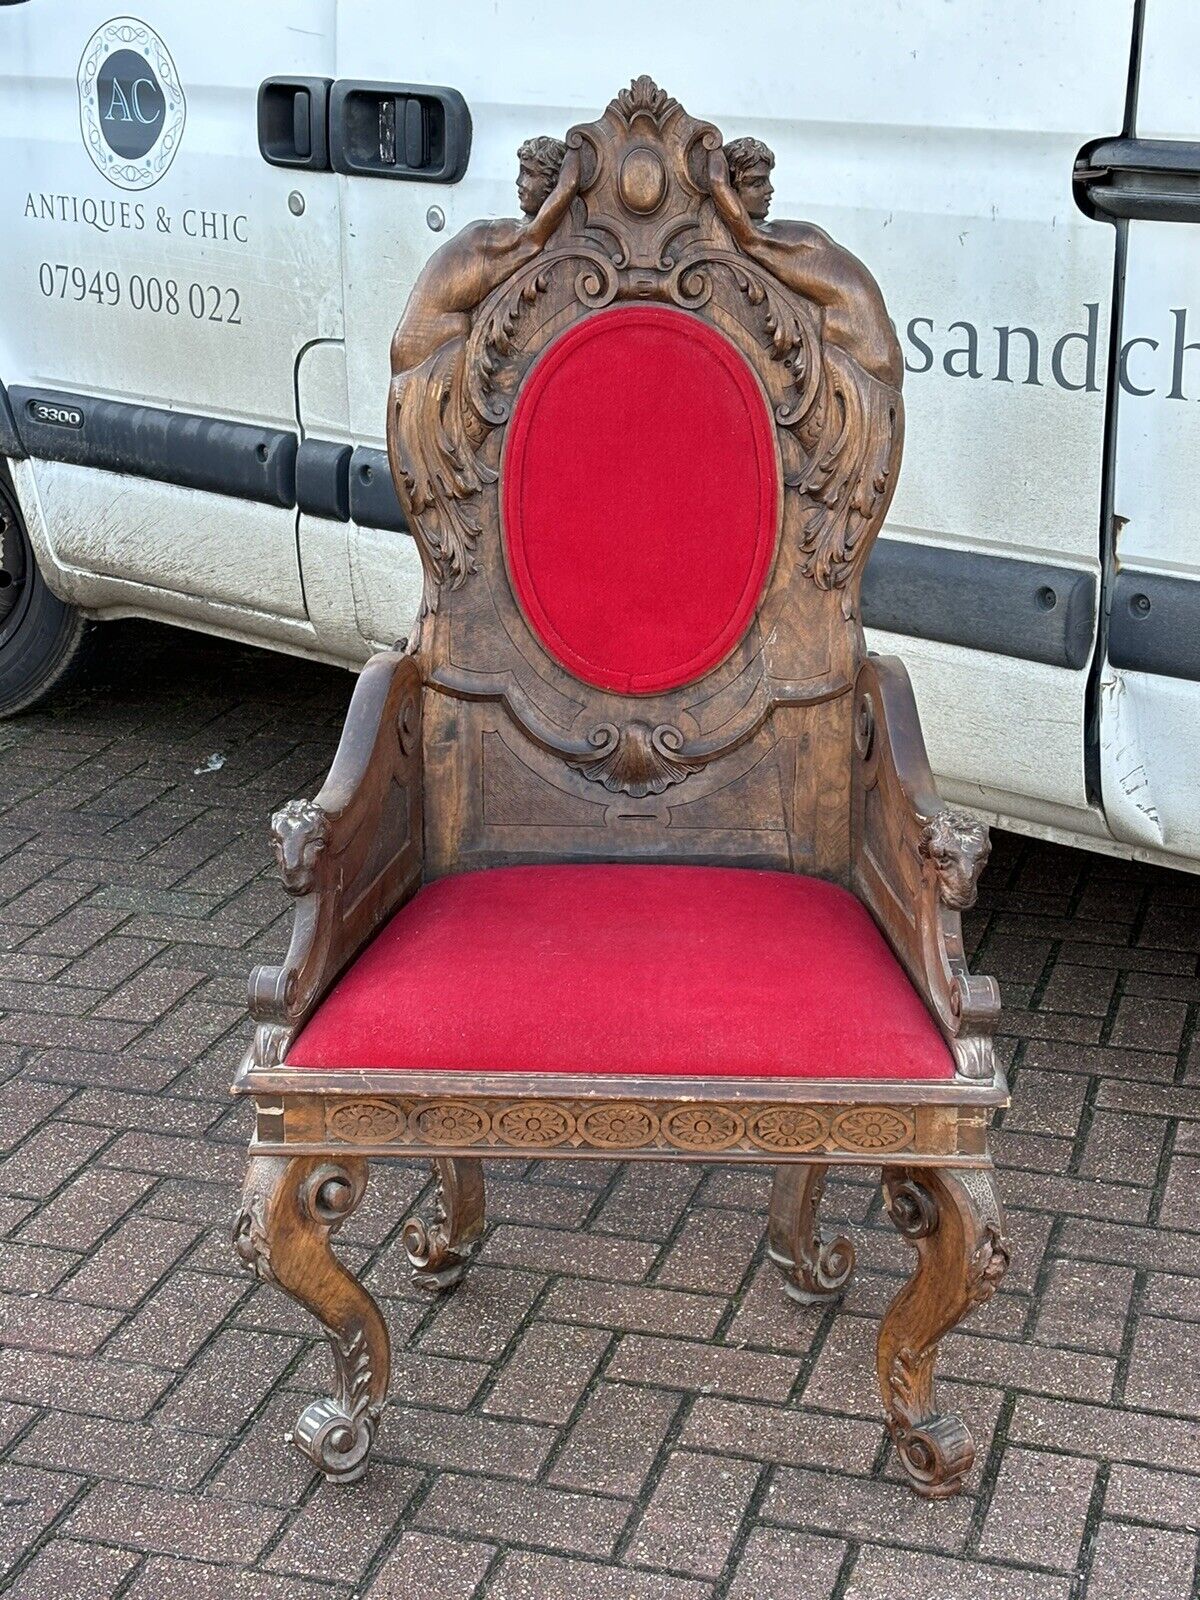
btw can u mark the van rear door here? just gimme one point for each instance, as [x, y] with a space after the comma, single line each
[1149, 701]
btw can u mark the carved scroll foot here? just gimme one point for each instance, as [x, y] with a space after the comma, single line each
[441, 1250]
[815, 1271]
[955, 1220]
[290, 1209]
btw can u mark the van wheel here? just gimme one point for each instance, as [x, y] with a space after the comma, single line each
[40, 635]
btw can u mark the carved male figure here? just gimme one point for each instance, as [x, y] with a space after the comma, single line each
[429, 446]
[805, 258]
[468, 267]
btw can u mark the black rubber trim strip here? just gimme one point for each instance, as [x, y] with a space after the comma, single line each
[323, 479]
[1026, 609]
[233, 458]
[1143, 180]
[10, 439]
[1029, 610]
[373, 501]
[1154, 624]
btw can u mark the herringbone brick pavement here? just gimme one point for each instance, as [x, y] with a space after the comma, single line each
[618, 1403]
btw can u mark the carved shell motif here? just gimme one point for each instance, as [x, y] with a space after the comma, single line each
[637, 759]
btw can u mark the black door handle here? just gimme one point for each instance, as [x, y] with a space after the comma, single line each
[293, 122]
[1145, 180]
[416, 131]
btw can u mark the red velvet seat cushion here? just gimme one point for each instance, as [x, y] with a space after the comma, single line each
[640, 494]
[629, 969]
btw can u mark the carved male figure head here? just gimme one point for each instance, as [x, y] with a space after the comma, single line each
[750, 162]
[541, 160]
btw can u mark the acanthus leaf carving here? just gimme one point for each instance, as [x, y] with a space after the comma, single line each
[440, 476]
[433, 432]
[493, 343]
[850, 434]
[974, 1056]
[355, 1376]
[989, 1263]
[336, 1433]
[251, 1240]
[791, 336]
[644, 98]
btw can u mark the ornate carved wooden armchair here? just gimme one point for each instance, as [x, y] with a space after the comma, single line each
[632, 852]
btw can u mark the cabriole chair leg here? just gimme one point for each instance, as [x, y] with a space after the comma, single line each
[955, 1220]
[442, 1249]
[290, 1209]
[814, 1271]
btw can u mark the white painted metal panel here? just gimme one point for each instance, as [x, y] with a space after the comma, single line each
[201, 287]
[1150, 753]
[86, 510]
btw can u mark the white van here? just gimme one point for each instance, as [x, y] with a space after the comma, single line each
[210, 217]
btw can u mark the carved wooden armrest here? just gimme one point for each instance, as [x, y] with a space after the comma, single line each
[916, 862]
[352, 855]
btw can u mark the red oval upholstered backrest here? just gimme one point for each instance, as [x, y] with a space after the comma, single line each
[640, 498]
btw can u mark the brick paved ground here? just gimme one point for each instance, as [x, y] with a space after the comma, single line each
[618, 1404]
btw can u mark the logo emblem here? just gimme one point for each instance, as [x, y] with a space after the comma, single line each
[58, 416]
[131, 105]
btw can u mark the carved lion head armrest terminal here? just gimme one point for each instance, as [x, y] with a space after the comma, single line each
[957, 845]
[299, 833]
[352, 855]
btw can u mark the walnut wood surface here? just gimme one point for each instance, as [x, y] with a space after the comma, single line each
[290, 1208]
[441, 1249]
[632, 1120]
[350, 857]
[751, 763]
[957, 1225]
[471, 746]
[915, 863]
[815, 1270]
